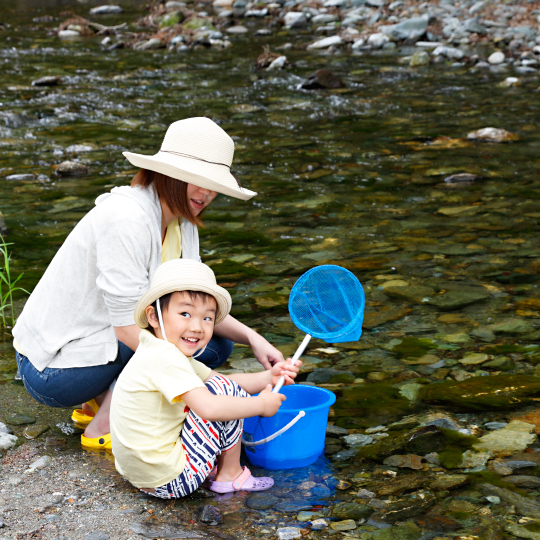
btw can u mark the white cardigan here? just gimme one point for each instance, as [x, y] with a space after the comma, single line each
[95, 280]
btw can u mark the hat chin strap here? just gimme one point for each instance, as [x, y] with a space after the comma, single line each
[160, 318]
[200, 352]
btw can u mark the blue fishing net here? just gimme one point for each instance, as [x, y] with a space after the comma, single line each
[327, 302]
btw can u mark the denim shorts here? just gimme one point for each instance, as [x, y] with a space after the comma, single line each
[66, 387]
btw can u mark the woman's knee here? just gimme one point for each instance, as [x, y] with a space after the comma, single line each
[216, 352]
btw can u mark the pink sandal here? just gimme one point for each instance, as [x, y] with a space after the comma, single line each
[245, 482]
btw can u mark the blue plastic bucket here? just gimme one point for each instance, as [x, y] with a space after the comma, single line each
[302, 443]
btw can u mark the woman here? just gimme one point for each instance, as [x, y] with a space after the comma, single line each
[77, 332]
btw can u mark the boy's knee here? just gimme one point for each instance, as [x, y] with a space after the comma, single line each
[222, 386]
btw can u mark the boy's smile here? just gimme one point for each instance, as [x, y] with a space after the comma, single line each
[189, 323]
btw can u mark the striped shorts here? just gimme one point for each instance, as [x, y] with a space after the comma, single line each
[203, 441]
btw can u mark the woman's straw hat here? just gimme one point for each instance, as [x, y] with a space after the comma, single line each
[183, 275]
[199, 152]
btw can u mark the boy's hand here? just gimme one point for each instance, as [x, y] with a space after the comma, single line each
[271, 401]
[286, 370]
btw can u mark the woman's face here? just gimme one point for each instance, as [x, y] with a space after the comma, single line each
[199, 198]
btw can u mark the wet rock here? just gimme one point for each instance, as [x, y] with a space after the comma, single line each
[524, 505]
[484, 334]
[336, 430]
[498, 392]
[460, 178]
[474, 359]
[330, 375]
[448, 481]
[457, 299]
[307, 516]
[208, 515]
[33, 432]
[519, 464]
[151, 44]
[365, 494]
[288, 533]
[495, 425]
[532, 482]
[293, 505]
[410, 29]
[512, 326]
[295, 19]
[435, 522]
[492, 134]
[384, 314]
[7, 441]
[514, 437]
[165, 530]
[24, 177]
[261, 501]
[347, 525]
[378, 40]
[472, 459]
[41, 463]
[520, 531]
[237, 29]
[445, 423]
[71, 168]
[332, 41]
[498, 466]
[319, 524]
[419, 58]
[409, 461]
[50, 80]
[106, 10]
[496, 58]
[413, 293]
[399, 485]
[405, 509]
[448, 52]
[357, 440]
[20, 419]
[352, 511]
[322, 78]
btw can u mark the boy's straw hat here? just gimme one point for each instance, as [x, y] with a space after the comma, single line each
[199, 152]
[183, 275]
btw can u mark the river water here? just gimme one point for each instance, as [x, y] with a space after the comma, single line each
[354, 177]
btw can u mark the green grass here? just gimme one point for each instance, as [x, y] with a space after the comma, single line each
[7, 286]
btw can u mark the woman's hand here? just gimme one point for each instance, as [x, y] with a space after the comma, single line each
[286, 370]
[265, 353]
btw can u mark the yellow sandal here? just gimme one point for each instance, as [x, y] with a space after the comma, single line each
[99, 443]
[81, 418]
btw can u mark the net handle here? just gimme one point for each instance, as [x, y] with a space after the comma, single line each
[296, 356]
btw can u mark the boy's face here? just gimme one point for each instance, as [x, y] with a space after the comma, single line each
[189, 324]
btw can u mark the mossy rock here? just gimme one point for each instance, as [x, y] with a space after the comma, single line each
[172, 18]
[412, 347]
[196, 23]
[369, 405]
[234, 270]
[499, 392]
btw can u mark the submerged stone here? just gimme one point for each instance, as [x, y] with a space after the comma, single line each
[322, 78]
[524, 506]
[412, 293]
[409, 461]
[384, 314]
[20, 419]
[352, 511]
[262, 501]
[412, 347]
[208, 515]
[449, 481]
[33, 432]
[456, 299]
[399, 484]
[402, 510]
[151, 529]
[514, 437]
[498, 392]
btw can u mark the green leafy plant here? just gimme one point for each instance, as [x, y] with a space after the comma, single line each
[7, 285]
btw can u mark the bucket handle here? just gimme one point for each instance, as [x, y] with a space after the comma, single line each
[277, 433]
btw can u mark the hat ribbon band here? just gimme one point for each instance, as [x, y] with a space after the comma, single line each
[206, 161]
[195, 157]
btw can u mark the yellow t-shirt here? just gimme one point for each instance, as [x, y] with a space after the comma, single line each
[146, 421]
[172, 245]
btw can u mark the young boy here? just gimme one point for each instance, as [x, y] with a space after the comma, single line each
[173, 418]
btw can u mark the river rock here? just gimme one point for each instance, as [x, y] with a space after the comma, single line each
[499, 466]
[332, 41]
[351, 510]
[33, 432]
[399, 484]
[410, 29]
[474, 359]
[106, 10]
[49, 80]
[498, 392]
[418, 294]
[237, 29]
[20, 419]
[357, 440]
[448, 52]
[461, 178]
[322, 78]
[71, 168]
[524, 506]
[492, 134]
[23, 177]
[336, 430]
[514, 437]
[409, 461]
[419, 58]
[378, 40]
[262, 501]
[208, 514]
[448, 481]
[457, 299]
[347, 525]
[384, 314]
[7, 441]
[512, 326]
[407, 531]
[68, 34]
[165, 530]
[150, 44]
[532, 482]
[518, 531]
[319, 524]
[288, 533]
[404, 509]
[41, 463]
[472, 459]
[496, 58]
[330, 375]
[295, 19]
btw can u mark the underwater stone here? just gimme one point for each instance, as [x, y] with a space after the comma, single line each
[473, 458]
[208, 515]
[288, 533]
[517, 464]
[512, 326]
[384, 314]
[520, 532]
[456, 299]
[532, 482]
[524, 506]
[33, 432]
[399, 485]
[449, 481]
[402, 510]
[261, 501]
[322, 78]
[20, 419]
[498, 466]
[412, 293]
[352, 511]
[498, 392]
[514, 437]
[357, 440]
[347, 525]
[409, 461]
[330, 375]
